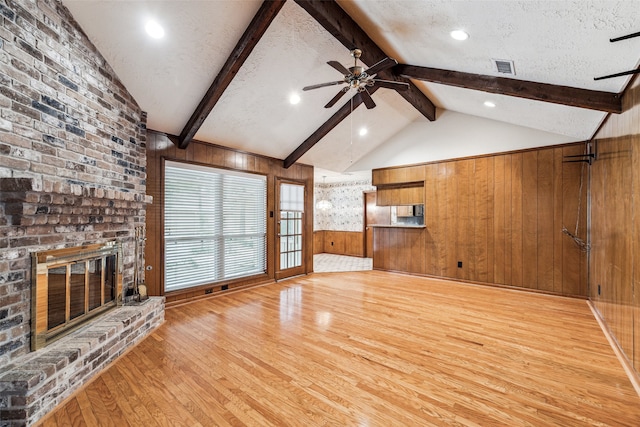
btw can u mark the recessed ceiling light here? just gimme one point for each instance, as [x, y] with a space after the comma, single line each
[363, 131]
[154, 29]
[294, 99]
[489, 104]
[459, 35]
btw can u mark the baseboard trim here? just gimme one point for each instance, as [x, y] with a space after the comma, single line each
[624, 360]
[238, 288]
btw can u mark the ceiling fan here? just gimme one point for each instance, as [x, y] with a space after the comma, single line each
[358, 78]
[624, 73]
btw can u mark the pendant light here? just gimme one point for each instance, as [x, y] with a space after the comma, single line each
[324, 204]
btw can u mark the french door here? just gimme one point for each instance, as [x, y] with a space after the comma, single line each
[290, 260]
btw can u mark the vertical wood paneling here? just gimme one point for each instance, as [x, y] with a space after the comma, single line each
[416, 243]
[396, 246]
[517, 268]
[430, 218]
[498, 220]
[634, 356]
[616, 264]
[470, 226]
[441, 220]
[350, 243]
[451, 254]
[573, 256]
[508, 236]
[598, 223]
[545, 216]
[558, 202]
[490, 195]
[318, 242]
[501, 216]
[462, 220]
[378, 249]
[615, 205]
[481, 239]
[529, 219]
[381, 248]
[198, 153]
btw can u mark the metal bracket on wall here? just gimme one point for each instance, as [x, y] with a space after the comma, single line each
[588, 157]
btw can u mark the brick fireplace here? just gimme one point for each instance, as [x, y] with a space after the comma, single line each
[72, 174]
[67, 225]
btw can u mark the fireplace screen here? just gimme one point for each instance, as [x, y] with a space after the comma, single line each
[70, 286]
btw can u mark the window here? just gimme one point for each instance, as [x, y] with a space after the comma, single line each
[214, 225]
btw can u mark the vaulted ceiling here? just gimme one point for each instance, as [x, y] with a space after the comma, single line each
[225, 70]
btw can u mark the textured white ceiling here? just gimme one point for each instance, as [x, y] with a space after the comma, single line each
[343, 146]
[578, 123]
[556, 41]
[167, 77]
[254, 114]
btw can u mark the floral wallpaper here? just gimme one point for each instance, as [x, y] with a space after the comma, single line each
[347, 200]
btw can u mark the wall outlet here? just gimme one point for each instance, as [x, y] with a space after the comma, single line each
[599, 289]
[224, 287]
[208, 291]
[459, 264]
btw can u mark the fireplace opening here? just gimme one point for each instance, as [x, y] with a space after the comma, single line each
[70, 286]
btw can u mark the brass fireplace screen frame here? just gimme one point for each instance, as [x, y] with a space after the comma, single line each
[101, 264]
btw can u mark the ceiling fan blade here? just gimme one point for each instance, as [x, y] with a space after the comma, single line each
[368, 101]
[323, 85]
[338, 66]
[381, 65]
[391, 84]
[336, 98]
[624, 73]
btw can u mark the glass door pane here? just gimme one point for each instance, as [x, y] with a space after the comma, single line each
[290, 229]
[290, 239]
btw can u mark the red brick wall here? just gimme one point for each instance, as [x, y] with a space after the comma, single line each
[72, 153]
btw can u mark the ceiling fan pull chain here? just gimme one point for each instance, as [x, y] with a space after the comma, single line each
[351, 134]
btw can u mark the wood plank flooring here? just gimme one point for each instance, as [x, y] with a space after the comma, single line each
[365, 349]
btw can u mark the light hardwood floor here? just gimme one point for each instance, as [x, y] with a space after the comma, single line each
[365, 349]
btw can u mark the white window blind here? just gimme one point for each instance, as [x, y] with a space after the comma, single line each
[215, 225]
[292, 197]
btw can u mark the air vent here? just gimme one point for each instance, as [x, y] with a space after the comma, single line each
[504, 66]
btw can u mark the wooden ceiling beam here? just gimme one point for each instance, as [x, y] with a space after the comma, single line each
[252, 35]
[340, 25]
[323, 130]
[564, 95]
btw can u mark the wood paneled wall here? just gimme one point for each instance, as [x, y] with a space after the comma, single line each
[159, 148]
[318, 242]
[392, 196]
[615, 225]
[349, 243]
[399, 249]
[501, 217]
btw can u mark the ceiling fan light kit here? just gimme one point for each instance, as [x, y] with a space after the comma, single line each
[359, 79]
